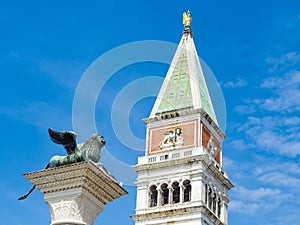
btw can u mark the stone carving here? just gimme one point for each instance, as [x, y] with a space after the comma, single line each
[64, 209]
[88, 151]
[88, 209]
[76, 208]
[172, 139]
[211, 146]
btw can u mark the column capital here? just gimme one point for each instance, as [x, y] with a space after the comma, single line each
[76, 193]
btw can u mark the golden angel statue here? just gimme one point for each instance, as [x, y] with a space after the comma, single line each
[186, 19]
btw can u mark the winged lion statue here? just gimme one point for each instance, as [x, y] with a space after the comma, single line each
[87, 151]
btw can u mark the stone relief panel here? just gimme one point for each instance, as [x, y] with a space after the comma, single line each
[172, 139]
[180, 135]
[64, 209]
[210, 143]
[88, 209]
[79, 208]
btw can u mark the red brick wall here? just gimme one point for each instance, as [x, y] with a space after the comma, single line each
[189, 134]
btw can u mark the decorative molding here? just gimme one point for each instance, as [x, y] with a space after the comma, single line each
[177, 212]
[203, 158]
[76, 208]
[76, 193]
[87, 175]
[184, 114]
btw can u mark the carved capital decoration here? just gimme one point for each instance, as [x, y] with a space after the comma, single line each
[76, 193]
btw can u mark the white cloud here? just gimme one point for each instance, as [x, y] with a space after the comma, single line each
[280, 174]
[288, 167]
[278, 134]
[286, 93]
[256, 194]
[253, 200]
[284, 62]
[245, 109]
[280, 179]
[266, 184]
[227, 162]
[236, 83]
[240, 144]
[265, 190]
[243, 207]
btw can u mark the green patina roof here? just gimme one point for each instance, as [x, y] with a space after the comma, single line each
[178, 92]
[204, 95]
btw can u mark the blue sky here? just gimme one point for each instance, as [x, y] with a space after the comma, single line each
[251, 46]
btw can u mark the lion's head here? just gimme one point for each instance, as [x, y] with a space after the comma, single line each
[91, 149]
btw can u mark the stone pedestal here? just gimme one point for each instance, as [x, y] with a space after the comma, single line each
[76, 193]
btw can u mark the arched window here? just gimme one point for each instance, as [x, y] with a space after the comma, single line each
[164, 194]
[153, 196]
[187, 191]
[219, 207]
[209, 201]
[176, 192]
[214, 203]
[206, 193]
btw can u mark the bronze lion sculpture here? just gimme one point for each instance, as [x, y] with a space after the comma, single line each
[87, 151]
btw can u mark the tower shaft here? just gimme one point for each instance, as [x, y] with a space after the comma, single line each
[180, 178]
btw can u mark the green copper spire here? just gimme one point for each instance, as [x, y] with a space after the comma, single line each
[184, 85]
[178, 93]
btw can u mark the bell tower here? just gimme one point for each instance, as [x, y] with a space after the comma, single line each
[180, 179]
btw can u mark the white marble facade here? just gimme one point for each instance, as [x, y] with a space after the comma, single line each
[202, 185]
